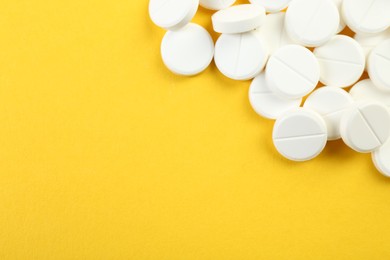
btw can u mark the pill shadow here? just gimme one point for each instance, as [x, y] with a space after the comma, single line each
[379, 177]
[337, 149]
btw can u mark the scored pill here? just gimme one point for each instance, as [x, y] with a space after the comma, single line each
[266, 103]
[341, 60]
[292, 72]
[300, 134]
[312, 22]
[240, 56]
[366, 126]
[379, 65]
[366, 16]
[330, 103]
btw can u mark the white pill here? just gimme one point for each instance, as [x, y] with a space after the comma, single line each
[365, 90]
[267, 103]
[370, 41]
[272, 6]
[292, 72]
[339, 5]
[240, 56]
[379, 65]
[312, 22]
[300, 134]
[366, 16]
[187, 51]
[238, 18]
[330, 103]
[172, 14]
[273, 32]
[216, 4]
[366, 126]
[341, 61]
[381, 159]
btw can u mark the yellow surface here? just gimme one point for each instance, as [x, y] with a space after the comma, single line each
[104, 154]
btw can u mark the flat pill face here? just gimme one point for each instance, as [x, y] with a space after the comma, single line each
[312, 22]
[292, 72]
[365, 90]
[187, 51]
[379, 65]
[341, 60]
[172, 14]
[272, 6]
[274, 33]
[238, 18]
[216, 4]
[381, 159]
[365, 127]
[267, 103]
[366, 16]
[240, 56]
[300, 134]
[331, 103]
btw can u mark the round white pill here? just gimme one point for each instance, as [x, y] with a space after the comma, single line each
[273, 32]
[341, 60]
[339, 5]
[381, 159]
[292, 72]
[267, 103]
[365, 90]
[187, 51]
[238, 18]
[240, 56]
[366, 16]
[300, 134]
[370, 41]
[216, 4]
[272, 6]
[312, 22]
[379, 65]
[172, 14]
[331, 103]
[366, 126]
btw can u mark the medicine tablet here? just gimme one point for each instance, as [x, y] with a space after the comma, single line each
[240, 56]
[187, 51]
[366, 16]
[292, 72]
[381, 159]
[216, 4]
[172, 14]
[330, 103]
[379, 65]
[370, 41]
[238, 18]
[341, 60]
[339, 5]
[365, 127]
[312, 22]
[272, 6]
[365, 90]
[273, 32]
[300, 134]
[267, 103]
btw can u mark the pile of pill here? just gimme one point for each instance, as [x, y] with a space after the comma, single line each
[293, 50]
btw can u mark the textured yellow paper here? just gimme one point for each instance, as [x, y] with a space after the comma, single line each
[104, 154]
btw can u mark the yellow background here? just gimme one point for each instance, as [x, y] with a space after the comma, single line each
[105, 154]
